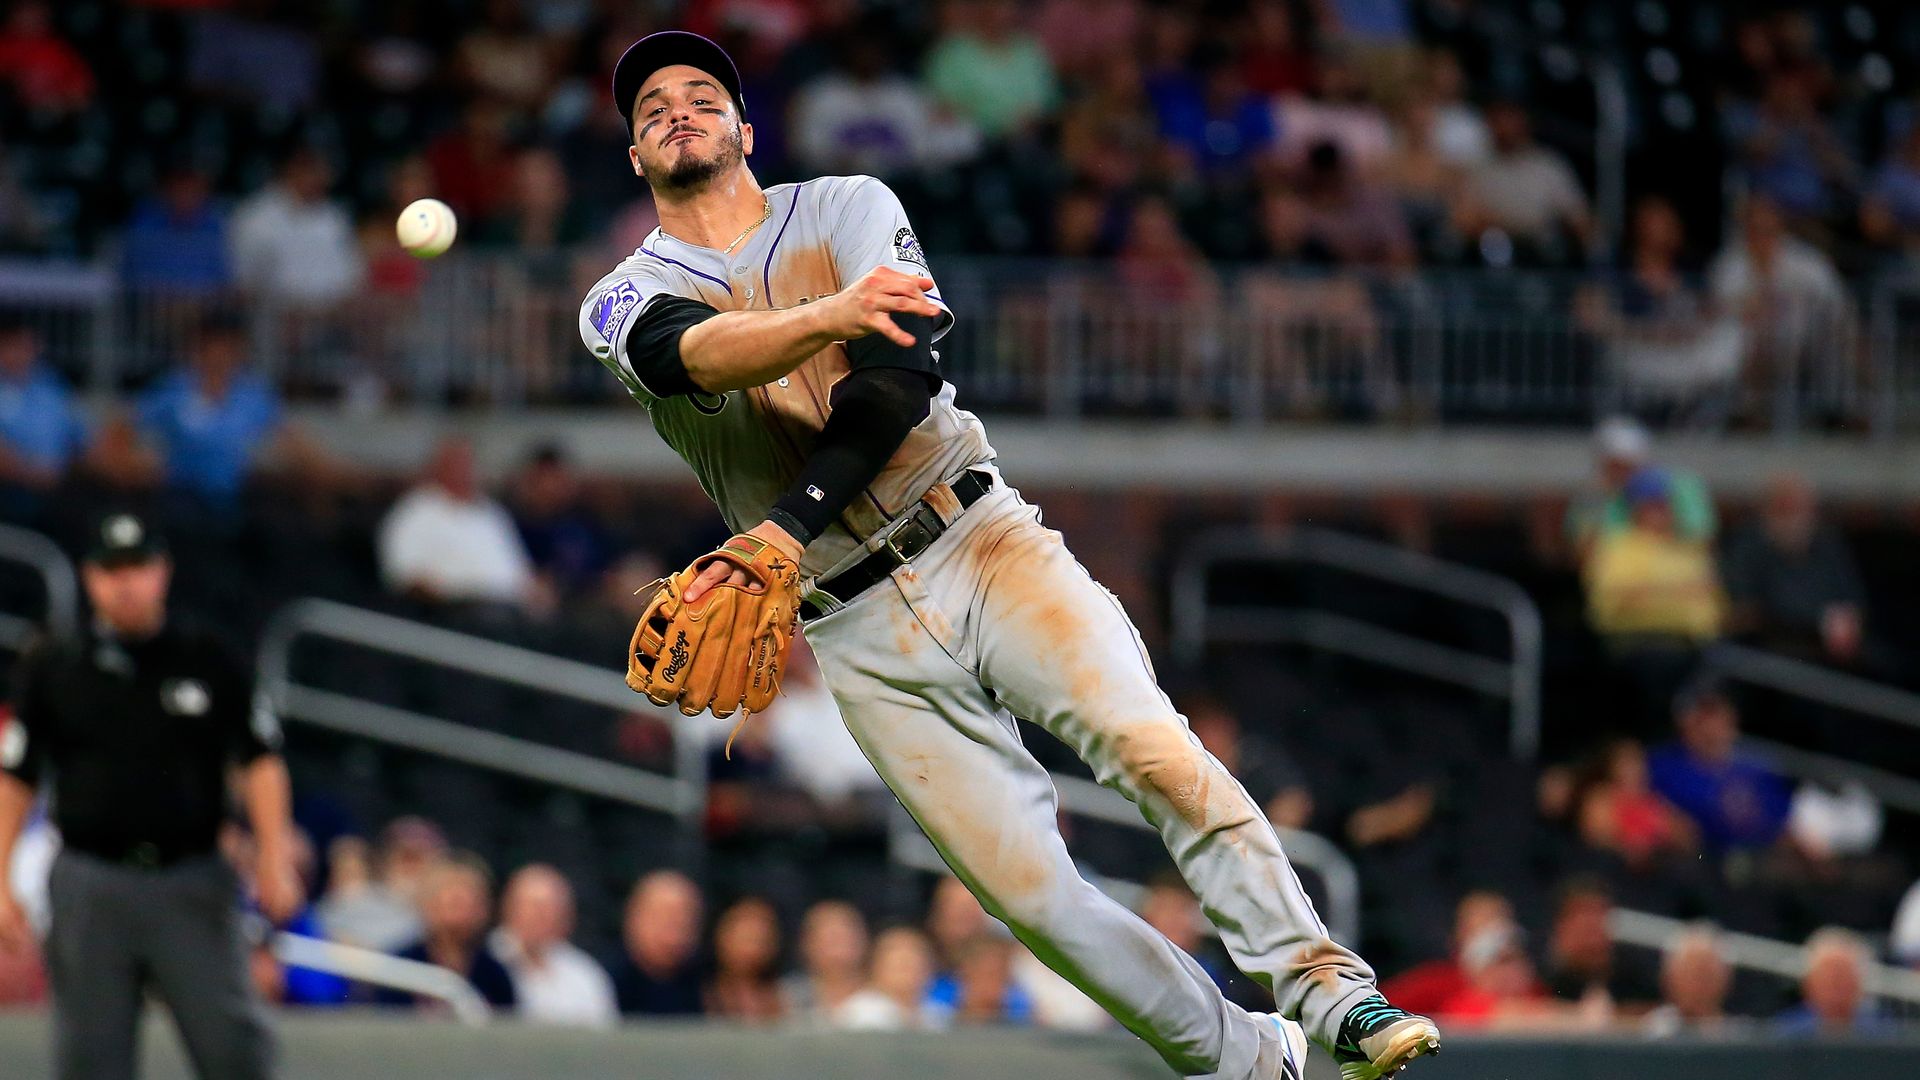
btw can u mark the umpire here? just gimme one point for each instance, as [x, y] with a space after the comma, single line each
[137, 723]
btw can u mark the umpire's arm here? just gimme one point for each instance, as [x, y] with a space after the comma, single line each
[266, 795]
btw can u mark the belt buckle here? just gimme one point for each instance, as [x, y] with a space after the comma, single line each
[891, 543]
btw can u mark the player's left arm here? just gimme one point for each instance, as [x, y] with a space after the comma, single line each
[887, 393]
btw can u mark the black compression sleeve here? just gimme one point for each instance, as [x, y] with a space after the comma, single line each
[873, 410]
[653, 345]
[876, 350]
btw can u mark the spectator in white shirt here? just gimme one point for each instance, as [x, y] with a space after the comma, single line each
[833, 962]
[811, 742]
[373, 897]
[1796, 320]
[1459, 132]
[895, 998]
[554, 981]
[1528, 192]
[447, 541]
[861, 117]
[293, 245]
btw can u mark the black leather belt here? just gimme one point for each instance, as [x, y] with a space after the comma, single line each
[914, 535]
[142, 856]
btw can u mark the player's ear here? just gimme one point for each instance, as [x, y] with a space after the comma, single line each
[746, 138]
[633, 155]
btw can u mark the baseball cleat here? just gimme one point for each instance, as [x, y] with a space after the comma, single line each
[1293, 1049]
[1378, 1040]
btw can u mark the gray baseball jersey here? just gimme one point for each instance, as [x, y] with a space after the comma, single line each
[996, 619]
[747, 446]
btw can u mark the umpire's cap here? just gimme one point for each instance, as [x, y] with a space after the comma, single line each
[664, 49]
[123, 538]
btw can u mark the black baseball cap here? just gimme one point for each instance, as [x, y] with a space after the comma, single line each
[664, 49]
[123, 538]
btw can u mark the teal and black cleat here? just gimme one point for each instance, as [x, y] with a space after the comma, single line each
[1378, 1040]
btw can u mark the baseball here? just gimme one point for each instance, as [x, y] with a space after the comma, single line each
[426, 228]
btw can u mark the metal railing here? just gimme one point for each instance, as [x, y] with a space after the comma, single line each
[380, 969]
[1834, 690]
[1198, 620]
[1304, 849]
[59, 583]
[682, 794]
[1825, 686]
[909, 847]
[1070, 338]
[1893, 789]
[1767, 955]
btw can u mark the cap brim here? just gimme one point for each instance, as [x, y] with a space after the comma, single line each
[114, 560]
[665, 49]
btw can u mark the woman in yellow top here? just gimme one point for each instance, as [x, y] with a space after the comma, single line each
[1647, 583]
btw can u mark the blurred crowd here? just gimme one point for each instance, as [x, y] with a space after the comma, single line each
[1379, 133]
[1578, 979]
[680, 952]
[1299, 164]
[1650, 779]
[265, 152]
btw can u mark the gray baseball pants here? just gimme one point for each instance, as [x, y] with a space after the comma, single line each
[997, 620]
[119, 931]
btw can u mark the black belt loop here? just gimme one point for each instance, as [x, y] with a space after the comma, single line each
[918, 528]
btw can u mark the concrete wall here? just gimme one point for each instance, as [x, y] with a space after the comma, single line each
[1184, 456]
[377, 1048]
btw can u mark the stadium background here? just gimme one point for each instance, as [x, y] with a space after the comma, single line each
[1308, 323]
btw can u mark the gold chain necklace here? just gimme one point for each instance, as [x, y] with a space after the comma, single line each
[766, 211]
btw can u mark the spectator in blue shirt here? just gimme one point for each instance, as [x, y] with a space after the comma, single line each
[176, 241]
[40, 430]
[212, 420]
[1223, 128]
[1737, 802]
[569, 546]
[1789, 151]
[981, 988]
[280, 983]
[456, 906]
[1890, 207]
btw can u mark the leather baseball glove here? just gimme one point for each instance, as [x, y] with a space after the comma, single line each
[726, 651]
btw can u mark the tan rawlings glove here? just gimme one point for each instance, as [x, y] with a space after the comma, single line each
[727, 651]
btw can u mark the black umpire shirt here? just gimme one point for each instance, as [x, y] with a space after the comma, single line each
[137, 737]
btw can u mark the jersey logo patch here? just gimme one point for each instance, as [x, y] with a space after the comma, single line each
[906, 248]
[185, 697]
[708, 404]
[612, 306]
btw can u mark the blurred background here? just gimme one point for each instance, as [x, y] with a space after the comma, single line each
[1502, 418]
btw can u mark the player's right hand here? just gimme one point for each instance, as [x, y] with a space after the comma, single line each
[867, 306]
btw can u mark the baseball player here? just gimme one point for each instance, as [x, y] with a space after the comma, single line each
[782, 340]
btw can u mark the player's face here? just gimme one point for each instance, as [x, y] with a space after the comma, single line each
[686, 130]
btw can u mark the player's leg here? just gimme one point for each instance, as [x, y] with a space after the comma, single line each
[955, 761]
[1055, 648]
[94, 970]
[198, 956]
